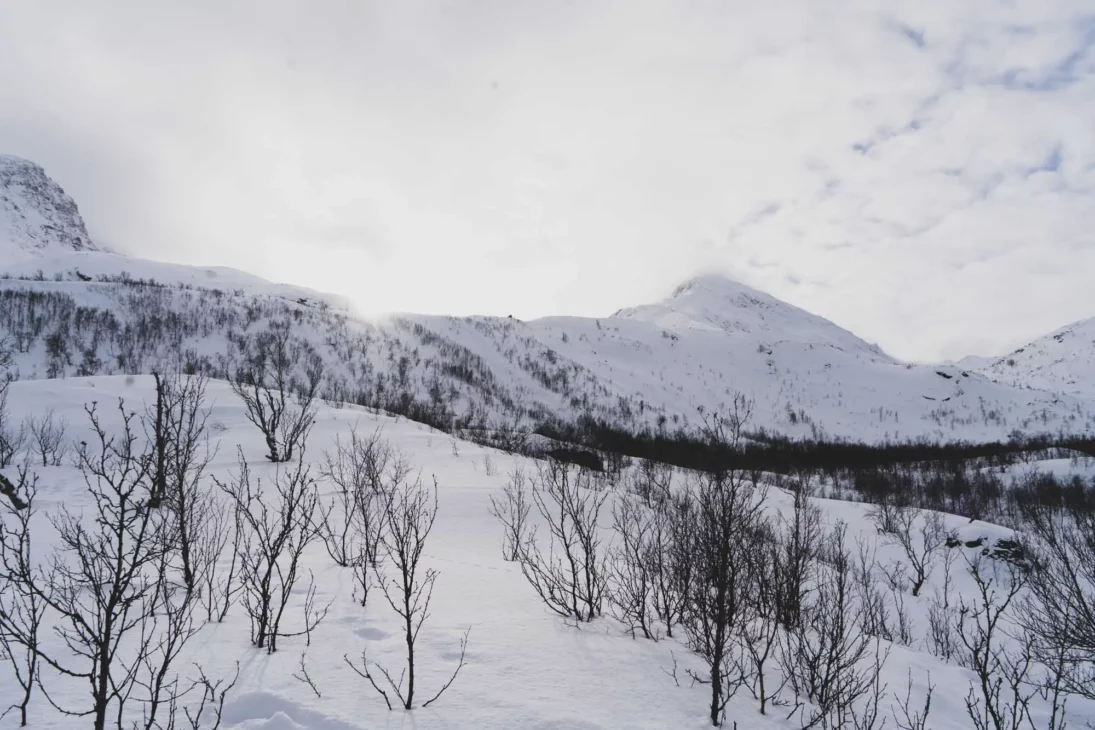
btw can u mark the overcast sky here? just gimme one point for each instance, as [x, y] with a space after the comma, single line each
[922, 173]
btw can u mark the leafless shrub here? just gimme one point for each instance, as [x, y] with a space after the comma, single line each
[672, 537]
[800, 545]
[352, 521]
[911, 717]
[220, 584]
[922, 536]
[761, 631]
[120, 620]
[512, 510]
[633, 561]
[873, 600]
[827, 655]
[571, 577]
[276, 526]
[181, 454]
[266, 380]
[46, 436]
[409, 514]
[22, 610]
[12, 439]
[728, 531]
[1001, 658]
[652, 482]
[1060, 610]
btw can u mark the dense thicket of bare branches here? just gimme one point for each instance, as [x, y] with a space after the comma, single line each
[727, 532]
[278, 379]
[572, 575]
[828, 655]
[120, 620]
[1061, 606]
[993, 646]
[276, 524]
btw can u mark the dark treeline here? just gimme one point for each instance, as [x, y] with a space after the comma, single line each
[968, 479]
[778, 454]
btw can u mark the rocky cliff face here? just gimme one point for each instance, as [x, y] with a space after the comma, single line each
[36, 216]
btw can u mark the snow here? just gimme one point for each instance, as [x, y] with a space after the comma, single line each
[36, 215]
[526, 668]
[1062, 361]
[648, 366]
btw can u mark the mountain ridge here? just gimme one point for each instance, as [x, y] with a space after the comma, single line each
[656, 365]
[36, 215]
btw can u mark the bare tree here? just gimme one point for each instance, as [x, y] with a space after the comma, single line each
[653, 482]
[180, 455]
[912, 718]
[276, 526]
[799, 545]
[120, 622]
[12, 439]
[409, 515]
[1001, 657]
[46, 434]
[512, 510]
[634, 560]
[761, 631]
[671, 538]
[273, 368]
[1060, 610]
[220, 585]
[352, 520]
[21, 609]
[571, 577]
[828, 655]
[922, 536]
[727, 531]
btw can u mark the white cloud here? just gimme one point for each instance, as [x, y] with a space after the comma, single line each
[920, 172]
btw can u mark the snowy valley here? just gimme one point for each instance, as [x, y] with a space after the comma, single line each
[630, 595]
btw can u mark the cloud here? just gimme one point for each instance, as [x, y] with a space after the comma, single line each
[922, 176]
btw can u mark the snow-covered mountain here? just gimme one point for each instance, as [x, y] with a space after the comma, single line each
[71, 310]
[36, 216]
[1062, 361]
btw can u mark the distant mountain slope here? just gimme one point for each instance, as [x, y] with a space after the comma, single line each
[36, 215]
[1062, 361]
[67, 309]
[484, 371]
[716, 303]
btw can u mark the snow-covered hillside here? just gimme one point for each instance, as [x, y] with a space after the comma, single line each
[526, 667]
[36, 216]
[484, 371]
[1063, 361]
[69, 309]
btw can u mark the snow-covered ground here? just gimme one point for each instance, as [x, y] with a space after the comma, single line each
[526, 668]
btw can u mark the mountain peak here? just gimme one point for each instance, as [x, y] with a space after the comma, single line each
[713, 285]
[36, 215]
[717, 303]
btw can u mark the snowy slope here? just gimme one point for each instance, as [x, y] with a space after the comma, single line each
[806, 376]
[36, 216]
[1062, 361]
[527, 668]
[652, 365]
